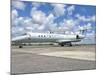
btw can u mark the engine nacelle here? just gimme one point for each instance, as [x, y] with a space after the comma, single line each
[77, 37]
[80, 36]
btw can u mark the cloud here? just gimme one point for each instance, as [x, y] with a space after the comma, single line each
[59, 9]
[49, 19]
[42, 21]
[87, 26]
[70, 9]
[86, 18]
[69, 23]
[38, 16]
[27, 21]
[89, 34]
[38, 22]
[22, 25]
[18, 4]
[14, 14]
[68, 26]
[42, 27]
[16, 25]
[37, 4]
[72, 26]
[49, 22]
[17, 31]
[89, 39]
[18, 21]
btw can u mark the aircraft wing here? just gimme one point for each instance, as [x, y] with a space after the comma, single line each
[67, 41]
[64, 41]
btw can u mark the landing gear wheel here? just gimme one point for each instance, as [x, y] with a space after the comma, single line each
[62, 45]
[70, 44]
[20, 46]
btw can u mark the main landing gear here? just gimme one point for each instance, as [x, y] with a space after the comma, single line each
[20, 46]
[62, 44]
[70, 44]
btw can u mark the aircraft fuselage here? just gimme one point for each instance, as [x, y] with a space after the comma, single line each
[47, 37]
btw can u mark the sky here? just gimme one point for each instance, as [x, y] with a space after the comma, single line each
[30, 16]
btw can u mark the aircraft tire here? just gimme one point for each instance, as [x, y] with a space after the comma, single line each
[70, 44]
[20, 46]
[62, 45]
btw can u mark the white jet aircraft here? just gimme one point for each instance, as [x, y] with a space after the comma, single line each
[61, 39]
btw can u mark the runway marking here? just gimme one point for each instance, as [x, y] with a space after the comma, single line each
[83, 55]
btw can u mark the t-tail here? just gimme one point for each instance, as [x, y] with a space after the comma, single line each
[83, 31]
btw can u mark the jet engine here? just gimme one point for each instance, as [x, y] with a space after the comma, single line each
[77, 37]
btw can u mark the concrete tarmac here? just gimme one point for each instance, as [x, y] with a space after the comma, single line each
[50, 58]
